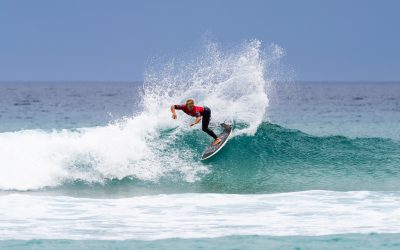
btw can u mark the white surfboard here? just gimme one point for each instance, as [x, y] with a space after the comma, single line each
[224, 136]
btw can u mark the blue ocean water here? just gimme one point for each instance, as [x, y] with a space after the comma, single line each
[352, 241]
[103, 166]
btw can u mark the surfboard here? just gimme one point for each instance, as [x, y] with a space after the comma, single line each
[212, 150]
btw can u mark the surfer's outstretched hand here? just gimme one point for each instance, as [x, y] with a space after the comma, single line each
[174, 116]
[198, 119]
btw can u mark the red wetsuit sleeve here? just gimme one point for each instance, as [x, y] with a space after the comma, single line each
[178, 107]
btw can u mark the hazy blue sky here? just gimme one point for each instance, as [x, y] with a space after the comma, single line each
[112, 40]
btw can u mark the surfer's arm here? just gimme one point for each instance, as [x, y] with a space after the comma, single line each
[173, 107]
[198, 119]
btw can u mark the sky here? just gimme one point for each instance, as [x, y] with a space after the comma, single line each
[112, 40]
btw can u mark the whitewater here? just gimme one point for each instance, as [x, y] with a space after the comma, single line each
[307, 213]
[232, 84]
[307, 162]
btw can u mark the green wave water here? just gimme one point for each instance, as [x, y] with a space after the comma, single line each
[347, 241]
[275, 159]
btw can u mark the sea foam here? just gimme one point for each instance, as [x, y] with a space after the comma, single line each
[232, 83]
[189, 215]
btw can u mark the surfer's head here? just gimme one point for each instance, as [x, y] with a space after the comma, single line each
[190, 104]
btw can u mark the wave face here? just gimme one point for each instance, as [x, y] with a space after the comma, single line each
[277, 159]
[274, 159]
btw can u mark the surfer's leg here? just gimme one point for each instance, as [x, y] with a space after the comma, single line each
[205, 121]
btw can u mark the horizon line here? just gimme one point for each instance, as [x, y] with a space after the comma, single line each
[141, 81]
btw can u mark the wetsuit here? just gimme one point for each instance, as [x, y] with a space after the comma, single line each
[199, 111]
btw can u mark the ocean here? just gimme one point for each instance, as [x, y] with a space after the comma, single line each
[310, 165]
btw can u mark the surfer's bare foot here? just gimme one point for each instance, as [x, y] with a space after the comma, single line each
[216, 142]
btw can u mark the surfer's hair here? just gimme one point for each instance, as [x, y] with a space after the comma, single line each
[191, 101]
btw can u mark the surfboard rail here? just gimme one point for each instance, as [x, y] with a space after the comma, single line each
[212, 150]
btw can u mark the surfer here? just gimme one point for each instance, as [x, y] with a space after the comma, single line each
[197, 111]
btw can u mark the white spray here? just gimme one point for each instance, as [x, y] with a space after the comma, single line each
[233, 84]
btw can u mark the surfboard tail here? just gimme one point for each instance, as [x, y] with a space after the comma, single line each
[224, 136]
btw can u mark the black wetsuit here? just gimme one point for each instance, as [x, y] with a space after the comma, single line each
[197, 111]
[205, 121]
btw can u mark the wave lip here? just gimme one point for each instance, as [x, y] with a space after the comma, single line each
[191, 215]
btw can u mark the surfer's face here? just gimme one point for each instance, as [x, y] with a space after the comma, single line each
[190, 105]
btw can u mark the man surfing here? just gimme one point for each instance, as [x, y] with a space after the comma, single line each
[197, 111]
